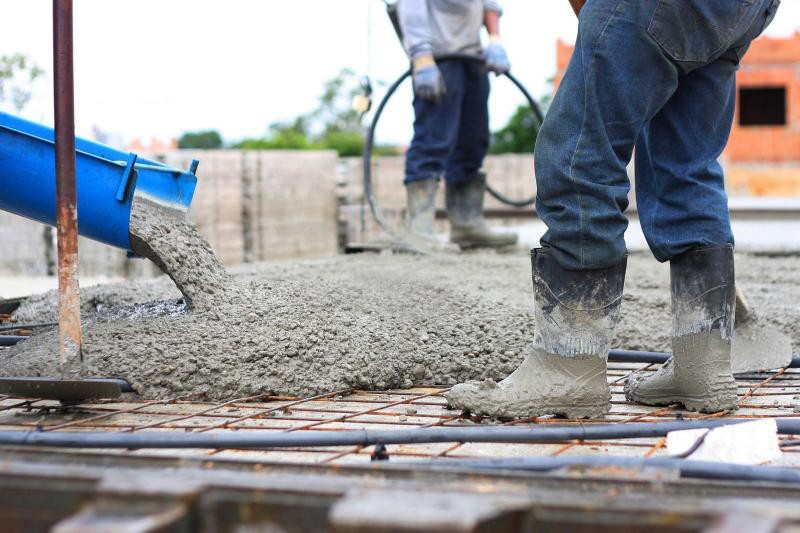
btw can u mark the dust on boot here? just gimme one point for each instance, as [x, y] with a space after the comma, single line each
[468, 228]
[698, 375]
[421, 213]
[576, 312]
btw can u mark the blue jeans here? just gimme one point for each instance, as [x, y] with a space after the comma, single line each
[660, 76]
[451, 138]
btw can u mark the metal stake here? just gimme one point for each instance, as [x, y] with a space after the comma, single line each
[69, 318]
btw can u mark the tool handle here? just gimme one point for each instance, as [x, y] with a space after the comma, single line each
[577, 5]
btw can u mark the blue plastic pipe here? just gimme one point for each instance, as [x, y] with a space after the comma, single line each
[107, 180]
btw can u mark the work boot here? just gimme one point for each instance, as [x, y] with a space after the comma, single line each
[576, 312]
[698, 375]
[421, 212]
[468, 228]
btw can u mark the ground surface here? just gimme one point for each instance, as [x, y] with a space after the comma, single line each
[371, 322]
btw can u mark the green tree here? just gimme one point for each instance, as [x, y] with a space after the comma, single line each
[200, 140]
[518, 136]
[17, 76]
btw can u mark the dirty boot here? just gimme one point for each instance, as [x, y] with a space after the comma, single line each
[468, 228]
[576, 312]
[421, 207]
[698, 375]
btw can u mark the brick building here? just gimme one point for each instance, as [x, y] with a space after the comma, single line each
[763, 154]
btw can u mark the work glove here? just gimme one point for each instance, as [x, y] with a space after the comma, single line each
[428, 80]
[496, 57]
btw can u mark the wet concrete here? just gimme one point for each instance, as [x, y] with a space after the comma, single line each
[354, 321]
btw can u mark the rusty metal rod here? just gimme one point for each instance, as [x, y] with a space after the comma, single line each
[577, 5]
[69, 318]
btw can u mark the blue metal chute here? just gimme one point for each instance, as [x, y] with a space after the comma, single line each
[107, 181]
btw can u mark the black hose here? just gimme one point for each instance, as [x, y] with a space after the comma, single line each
[370, 141]
[28, 326]
[631, 356]
[687, 468]
[11, 340]
[365, 437]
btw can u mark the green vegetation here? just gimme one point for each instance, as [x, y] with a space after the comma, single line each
[201, 140]
[333, 125]
[17, 76]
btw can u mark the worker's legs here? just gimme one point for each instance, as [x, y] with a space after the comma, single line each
[619, 77]
[465, 183]
[436, 130]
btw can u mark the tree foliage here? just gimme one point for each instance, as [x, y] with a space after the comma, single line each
[332, 125]
[201, 140]
[17, 76]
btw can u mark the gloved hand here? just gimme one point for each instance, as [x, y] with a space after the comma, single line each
[428, 80]
[496, 57]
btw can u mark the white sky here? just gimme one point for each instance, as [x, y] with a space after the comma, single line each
[161, 67]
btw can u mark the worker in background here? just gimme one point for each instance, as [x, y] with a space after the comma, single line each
[660, 75]
[451, 126]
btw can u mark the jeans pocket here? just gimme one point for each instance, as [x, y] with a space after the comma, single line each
[696, 31]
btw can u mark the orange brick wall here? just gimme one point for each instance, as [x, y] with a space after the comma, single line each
[769, 63]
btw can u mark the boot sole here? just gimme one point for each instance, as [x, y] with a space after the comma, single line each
[690, 403]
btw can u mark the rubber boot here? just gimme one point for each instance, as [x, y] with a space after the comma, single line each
[468, 228]
[698, 375]
[564, 374]
[421, 210]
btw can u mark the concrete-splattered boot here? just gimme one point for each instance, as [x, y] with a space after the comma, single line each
[468, 228]
[421, 212]
[576, 312]
[698, 375]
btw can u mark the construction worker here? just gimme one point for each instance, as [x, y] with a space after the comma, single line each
[451, 126]
[660, 75]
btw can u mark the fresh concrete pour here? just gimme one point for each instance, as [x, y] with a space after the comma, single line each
[368, 321]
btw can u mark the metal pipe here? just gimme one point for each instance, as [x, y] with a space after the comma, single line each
[365, 437]
[69, 301]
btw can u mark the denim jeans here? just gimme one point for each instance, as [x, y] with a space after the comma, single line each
[659, 75]
[451, 138]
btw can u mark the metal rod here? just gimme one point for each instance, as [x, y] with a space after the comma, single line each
[577, 5]
[69, 318]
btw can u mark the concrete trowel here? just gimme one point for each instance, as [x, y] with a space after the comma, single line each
[757, 346]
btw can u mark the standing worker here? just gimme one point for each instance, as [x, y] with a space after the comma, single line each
[660, 75]
[451, 126]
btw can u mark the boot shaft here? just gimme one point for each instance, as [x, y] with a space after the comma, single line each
[703, 291]
[576, 311]
[421, 206]
[464, 202]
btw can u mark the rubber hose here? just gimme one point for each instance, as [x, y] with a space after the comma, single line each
[28, 326]
[370, 141]
[688, 468]
[365, 437]
[11, 340]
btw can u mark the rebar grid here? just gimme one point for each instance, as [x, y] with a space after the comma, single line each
[768, 395]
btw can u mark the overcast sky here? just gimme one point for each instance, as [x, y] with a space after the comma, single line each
[161, 67]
